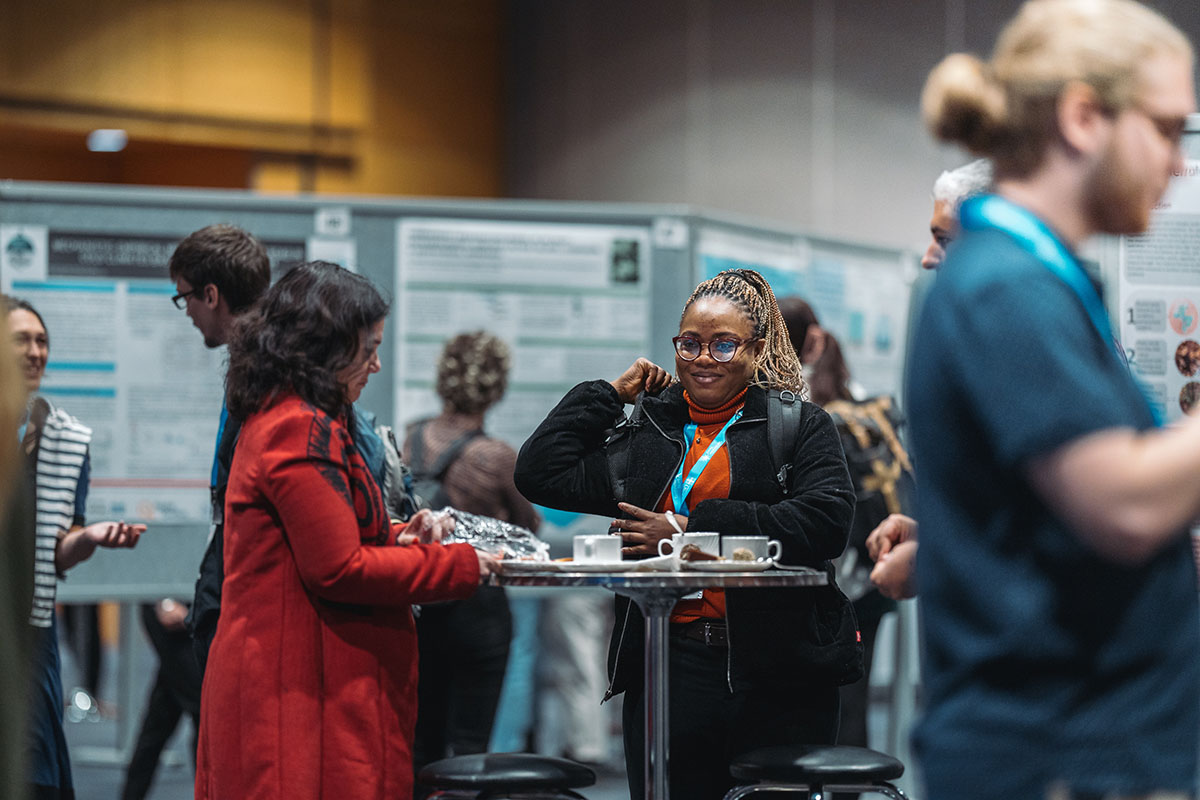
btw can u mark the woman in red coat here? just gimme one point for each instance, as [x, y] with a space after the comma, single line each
[311, 684]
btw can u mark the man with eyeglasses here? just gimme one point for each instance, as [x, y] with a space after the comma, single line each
[218, 271]
[893, 543]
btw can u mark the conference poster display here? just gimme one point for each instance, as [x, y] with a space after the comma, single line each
[1159, 299]
[571, 300]
[861, 296]
[126, 363]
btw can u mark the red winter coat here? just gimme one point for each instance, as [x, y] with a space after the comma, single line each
[311, 686]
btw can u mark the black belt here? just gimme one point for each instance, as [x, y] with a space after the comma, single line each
[710, 631]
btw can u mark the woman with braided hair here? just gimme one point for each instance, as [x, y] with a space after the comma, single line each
[748, 668]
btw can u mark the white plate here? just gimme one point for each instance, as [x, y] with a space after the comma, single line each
[526, 565]
[729, 566]
[597, 566]
[516, 566]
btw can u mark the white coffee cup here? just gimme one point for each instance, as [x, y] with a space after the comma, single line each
[760, 547]
[707, 542]
[604, 548]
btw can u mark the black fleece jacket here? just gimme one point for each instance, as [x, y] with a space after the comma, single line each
[801, 635]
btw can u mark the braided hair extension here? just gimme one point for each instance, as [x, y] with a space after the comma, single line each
[778, 367]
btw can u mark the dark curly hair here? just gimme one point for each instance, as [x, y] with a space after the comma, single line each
[303, 331]
[472, 373]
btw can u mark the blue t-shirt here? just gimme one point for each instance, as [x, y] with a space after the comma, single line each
[1043, 661]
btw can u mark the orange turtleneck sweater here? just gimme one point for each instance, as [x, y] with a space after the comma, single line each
[712, 483]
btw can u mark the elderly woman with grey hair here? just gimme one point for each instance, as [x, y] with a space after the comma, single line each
[464, 644]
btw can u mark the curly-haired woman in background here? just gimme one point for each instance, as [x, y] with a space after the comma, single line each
[464, 644]
[310, 690]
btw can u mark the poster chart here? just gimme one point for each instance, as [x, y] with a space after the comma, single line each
[859, 296]
[572, 301]
[126, 363]
[1159, 299]
[862, 298]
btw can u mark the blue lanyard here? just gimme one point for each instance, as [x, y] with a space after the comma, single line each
[681, 487]
[995, 212]
[217, 449]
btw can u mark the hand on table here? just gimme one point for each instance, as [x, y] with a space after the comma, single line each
[488, 564]
[642, 529]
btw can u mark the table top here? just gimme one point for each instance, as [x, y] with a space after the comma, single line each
[687, 581]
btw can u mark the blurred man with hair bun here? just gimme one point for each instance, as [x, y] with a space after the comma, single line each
[1058, 594]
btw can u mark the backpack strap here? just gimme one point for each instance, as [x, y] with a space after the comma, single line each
[783, 427]
[618, 451]
[417, 448]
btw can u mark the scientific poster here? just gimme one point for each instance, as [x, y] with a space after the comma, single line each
[783, 261]
[863, 299]
[858, 295]
[1160, 299]
[126, 363]
[571, 300]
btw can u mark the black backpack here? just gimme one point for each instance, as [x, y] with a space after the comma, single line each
[427, 479]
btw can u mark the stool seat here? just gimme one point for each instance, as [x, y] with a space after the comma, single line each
[492, 772]
[816, 764]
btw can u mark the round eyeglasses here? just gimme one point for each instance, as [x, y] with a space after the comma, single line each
[723, 349]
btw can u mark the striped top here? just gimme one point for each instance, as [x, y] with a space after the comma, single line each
[61, 446]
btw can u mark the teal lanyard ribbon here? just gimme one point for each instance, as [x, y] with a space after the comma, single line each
[216, 464]
[681, 487]
[994, 212]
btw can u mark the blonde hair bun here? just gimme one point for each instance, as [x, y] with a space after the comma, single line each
[961, 103]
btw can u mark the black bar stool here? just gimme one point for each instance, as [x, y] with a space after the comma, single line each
[493, 776]
[817, 770]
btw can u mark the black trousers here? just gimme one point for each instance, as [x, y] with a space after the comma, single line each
[81, 629]
[463, 651]
[856, 696]
[176, 691]
[710, 725]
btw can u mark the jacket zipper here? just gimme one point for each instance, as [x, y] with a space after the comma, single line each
[728, 627]
[625, 625]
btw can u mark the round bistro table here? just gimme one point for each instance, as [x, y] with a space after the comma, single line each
[656, 594]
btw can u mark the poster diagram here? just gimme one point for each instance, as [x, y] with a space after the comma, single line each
[1159, 299]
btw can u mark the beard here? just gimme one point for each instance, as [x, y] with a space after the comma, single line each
[1115, 195]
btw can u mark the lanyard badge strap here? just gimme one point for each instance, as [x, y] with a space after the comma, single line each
[681, 487]
[994, 212]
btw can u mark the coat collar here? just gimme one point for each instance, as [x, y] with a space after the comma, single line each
[670, 411]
